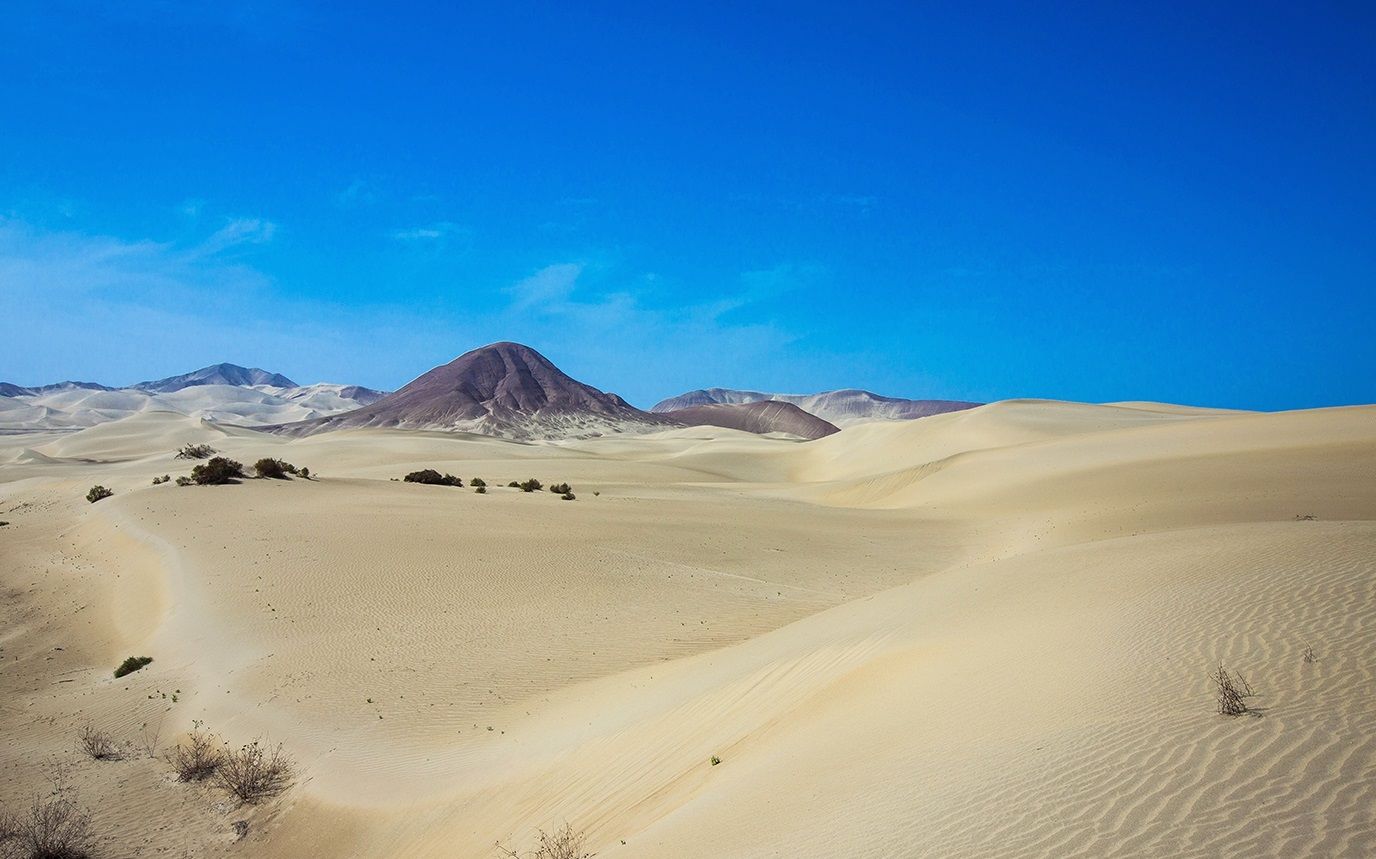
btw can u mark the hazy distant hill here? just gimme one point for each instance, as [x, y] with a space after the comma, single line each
[841, 408]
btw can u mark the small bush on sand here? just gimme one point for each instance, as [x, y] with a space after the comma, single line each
[531, 485]
[1229, 692]
[96, 744]
[515, 484]
[432, 477]
[198, 758]
[98, 492]
[55, 827]
[563, 843]
[158, 481]
[217, 471]
[276, 469]
[560, 488]
[196, 451]
[1310, 657]
[477, 483]
[254, 772]
[481, 490]
[568, 496]
[305, 473]
[132, 664]
[185, 481]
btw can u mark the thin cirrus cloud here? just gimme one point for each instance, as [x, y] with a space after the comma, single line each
[428, 232]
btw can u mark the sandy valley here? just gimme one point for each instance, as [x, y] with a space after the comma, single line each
[984, 633]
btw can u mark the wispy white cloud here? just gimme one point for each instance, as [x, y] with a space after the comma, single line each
[428, 232]
[239, 231]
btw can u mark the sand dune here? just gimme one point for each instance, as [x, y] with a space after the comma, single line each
[984, 633]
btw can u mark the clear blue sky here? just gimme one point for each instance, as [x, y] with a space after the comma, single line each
[966, 200]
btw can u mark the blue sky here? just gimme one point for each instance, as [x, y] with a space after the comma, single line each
[975, 201]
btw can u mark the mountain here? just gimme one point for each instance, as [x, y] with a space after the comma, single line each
[763, 416]
[217, 374]
[841, 408]
[8, 389]
[225, 393]
[505, 389]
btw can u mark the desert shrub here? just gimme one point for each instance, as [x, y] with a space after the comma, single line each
[158, 481]
[305, 472]
[132, 664]
[195, 451]
[531, 485]
[560, 488]
[216, 471]
[254, 772]
[3, 523]
[55, 827]
[515, 484]
[277, 469]
[185, 481]
[96, 744]
[432, 477]
[1310, 657]
[563, 843]
[1229, 692]
[568, 496]
[198, 758]
[98, 492]
[477, 482]
[715, 760]
[481, 490]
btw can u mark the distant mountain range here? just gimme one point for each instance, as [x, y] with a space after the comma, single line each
[841, 408]
[764, 416]
[225, 393]
[504, 389]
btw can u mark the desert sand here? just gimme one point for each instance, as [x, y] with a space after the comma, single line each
[982, 633]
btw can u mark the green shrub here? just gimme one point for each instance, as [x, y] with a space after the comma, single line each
[478, 482]
[132, 664]
[432, 477]
[98, 492]
[195, 451]
[481, 490]
[158, 481]
[531, 485]
[561, 489]
[276, 469]
[217, 471]
[515, 484]
[185, 481]
[568, 496]
[715, 760]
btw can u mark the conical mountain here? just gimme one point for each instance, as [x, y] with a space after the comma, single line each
[504, 389]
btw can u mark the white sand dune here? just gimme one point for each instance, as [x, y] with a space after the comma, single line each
[984, 633]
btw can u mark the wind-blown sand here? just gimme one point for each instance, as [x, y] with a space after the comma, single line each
[984, 633]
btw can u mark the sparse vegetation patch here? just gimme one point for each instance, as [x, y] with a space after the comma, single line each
[1231, 692]
[561, 489]
[97, 493]
[198, 758]
[216, 471]
[531, 485]
[564, 843]
[55, 827]
[132, 664]
[195, 451]
[275, 469]
[96, 744]
[254, 772]
[158, 481]
[432, 477]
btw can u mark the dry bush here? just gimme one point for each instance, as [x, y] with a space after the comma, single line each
[55, 827]
[563, 843]
[1310, 657]
[1230, 693]
[196, 451]
[531, 485]
[561, 489]
[198, 758]
[97, 493]
[96, 744]
[254, 772]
